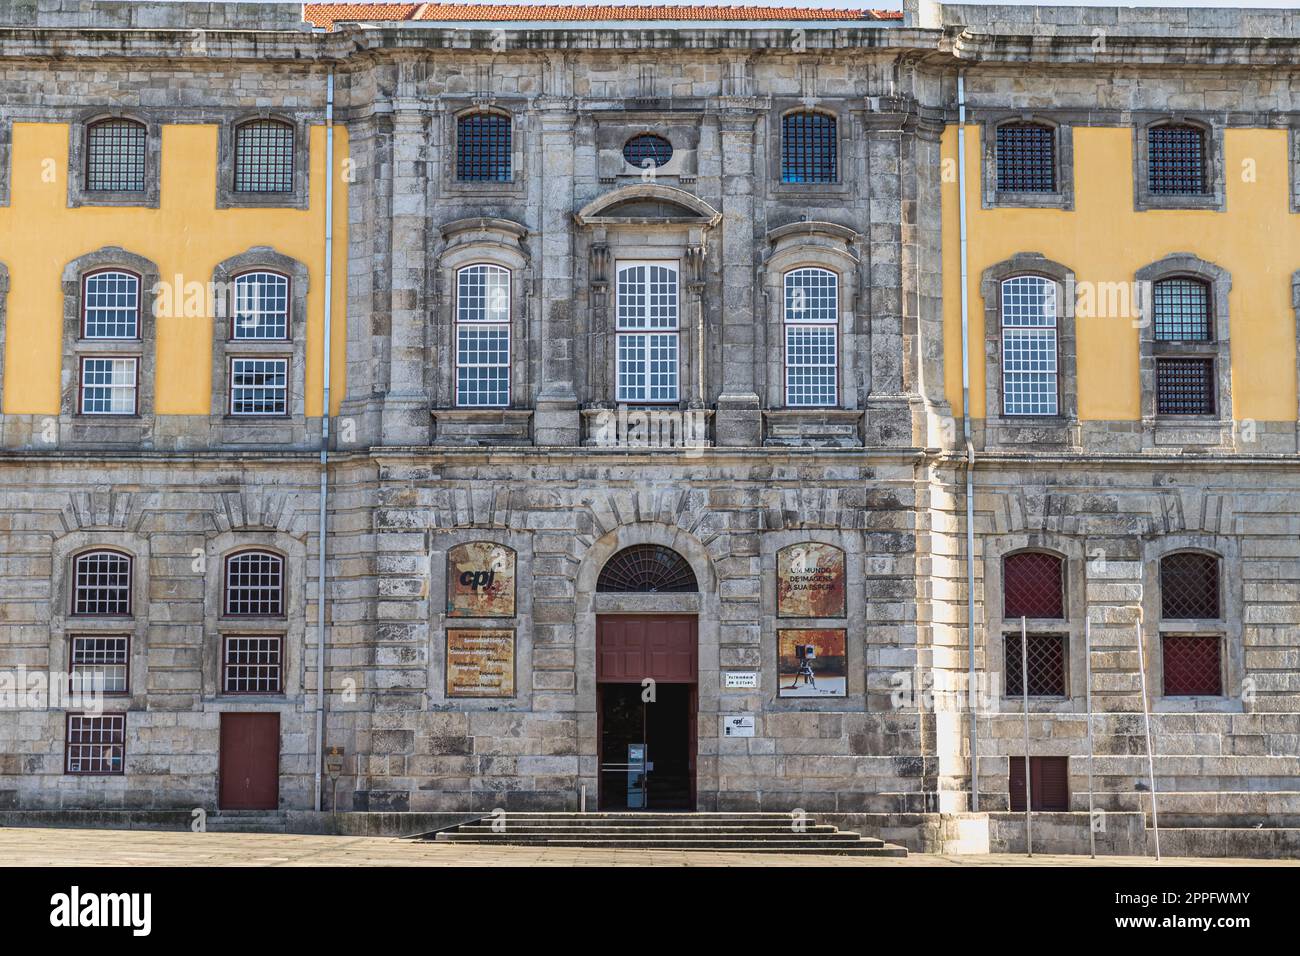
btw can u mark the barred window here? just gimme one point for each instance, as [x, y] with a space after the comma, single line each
[647, 151]
[108, 386]
[1045, 660]
[95, 743]
[1185, 386]
[1192, 665]
[1189, 587]
[483, 148]
[254, 585]
[99, 664]
[252, 664]
[259, 386]
[261, 307]
[110, 305]
[115, 156]
[1029, 346]
[1026, 158]
[647, 340]
[1181, 310]
[811, 337]
[101, 584]
[483, 336]
[809, 152]
[1176, 160]
[1033, 585]
[264, 157]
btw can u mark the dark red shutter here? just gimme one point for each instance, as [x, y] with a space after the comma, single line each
[1051, 781]
[1192, 666]
[1032, 586]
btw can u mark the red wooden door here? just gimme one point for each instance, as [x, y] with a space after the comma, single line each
[250, 762]
[632, 647]
[1050, 779]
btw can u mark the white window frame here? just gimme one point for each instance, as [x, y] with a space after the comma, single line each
[133, 293]
[241, 314]
[282, 389]
[639, 335]
[797, 319]
[489, 317]
[1029, 403]
[118, 364]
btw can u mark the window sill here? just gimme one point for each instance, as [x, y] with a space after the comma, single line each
[1038, 431]
[1209, 202]
[818, 427]
[482, 426]
[1044, 200]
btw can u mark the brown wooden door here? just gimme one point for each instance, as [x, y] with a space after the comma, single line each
[250, 762]
[1050, 779]
[632, 647]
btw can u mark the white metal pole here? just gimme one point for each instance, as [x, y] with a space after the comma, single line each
[1087, 692]
[1146, 719]
[1024, 702]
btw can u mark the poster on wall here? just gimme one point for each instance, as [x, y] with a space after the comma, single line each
[480, 662]
[811, 662]
[480, 580]
[810, 581]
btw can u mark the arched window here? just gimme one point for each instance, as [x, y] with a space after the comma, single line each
[261, 307]
[110, 305]
[1026, 158]
[647, 151]
[809, 150]
[1176, 160]
[264, 157]
[1191, 640]
[647, 568]
[101, 584]
[254, 585]
[1033, 587]
[115, 156]
[811, 338]
[483, 148]
[483, 336]
[1029, 346]
[1181, 311]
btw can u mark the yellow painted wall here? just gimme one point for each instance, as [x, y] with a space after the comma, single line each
[187, 235]
[1257, 240]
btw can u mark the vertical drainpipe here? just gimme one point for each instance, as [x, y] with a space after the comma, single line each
[971, 696]
[324, 433]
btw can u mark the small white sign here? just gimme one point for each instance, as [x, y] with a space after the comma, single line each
[738, 725]
[739, 680]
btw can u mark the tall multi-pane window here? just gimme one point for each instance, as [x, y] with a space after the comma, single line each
[1181, 315]
[252, 664]
[1026, 158]
[95, 743]
[811, 337]
[101, 584]
[1029, 346]
[110, 305]
[1176, 160]
[647, 344]
[264, 157]
[261, 307]
[259, 386]
[98, 663]
[483, 336]
[483, 148]
[254, 585]
[1191, 635]
[109, 386]
[115, 156]
[1033, 588]
[809, 148]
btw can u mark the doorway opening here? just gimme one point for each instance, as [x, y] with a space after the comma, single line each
[249, 766]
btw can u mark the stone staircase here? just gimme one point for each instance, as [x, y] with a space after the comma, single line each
[745, 832]
[246, 821]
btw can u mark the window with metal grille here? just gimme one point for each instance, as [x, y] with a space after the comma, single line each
[108, 386]
[647, 151]
[1033, 585]
[1045, 661]
[254, 584]
[1185, 386]
[647, 568]
[483, 148]
[1049, 783]
[259, 386]
[809, 152]
[1189, 587]
[1181, 310]
[647, 339]
[110, 305]
[101, 584]
[1192, 665]
[251, 664]
[261, 307]
[264, 157]
[1029, 346]
[99, 664]
[95, 743]
[1176, 160]
[483, 336]
[1026, 158]
[811, 338]
[115, 156]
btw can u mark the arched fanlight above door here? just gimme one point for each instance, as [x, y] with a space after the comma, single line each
[647, 568]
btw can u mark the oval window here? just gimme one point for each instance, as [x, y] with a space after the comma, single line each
[648, 151]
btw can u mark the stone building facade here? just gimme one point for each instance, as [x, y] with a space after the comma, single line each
[726, 475]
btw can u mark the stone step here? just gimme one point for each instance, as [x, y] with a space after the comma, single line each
[513, 827]
[653, 833]
[246, 821]
[743, 845]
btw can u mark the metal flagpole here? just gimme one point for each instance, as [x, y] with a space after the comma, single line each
[1146, 718]
[1024, 700]
[1087, 690]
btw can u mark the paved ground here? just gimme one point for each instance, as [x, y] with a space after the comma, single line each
[68, 847]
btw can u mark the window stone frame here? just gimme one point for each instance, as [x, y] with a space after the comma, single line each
[298, 198]
[842, 114]
[6, 152]
[290, 429]
[4, 325]
[517, 186]
[1062, 164]
[78, 132]
[1214, 199]
[1215, 430]
[1062, 430]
